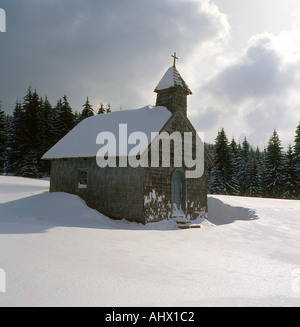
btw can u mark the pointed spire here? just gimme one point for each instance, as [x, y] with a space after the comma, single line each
[170, 79]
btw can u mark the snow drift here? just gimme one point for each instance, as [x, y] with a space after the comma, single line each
[57, 251]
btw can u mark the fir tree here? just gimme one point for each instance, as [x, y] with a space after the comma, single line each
[77, 117]
[222, 174]
[243, 175]
[101, 109]
[254, 187]
[16, 145]
[33, 136]
[29, 165]
[64, 119]
[108, 109]
[3, 139]
[87, 110]
[66, 116]
[47, 124]
[290, 187]
[263, 172]
[234, 148]
[297, 160]
[210, 148]
[274, 167]
[31, 108]
[56, 125]
[260, 164]
[235, 152]
[45, 121]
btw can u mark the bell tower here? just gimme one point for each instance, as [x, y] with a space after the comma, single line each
[172, 91]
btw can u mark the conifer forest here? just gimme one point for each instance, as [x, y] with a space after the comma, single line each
[239, 169]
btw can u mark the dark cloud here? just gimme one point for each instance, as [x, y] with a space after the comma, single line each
[109, 50]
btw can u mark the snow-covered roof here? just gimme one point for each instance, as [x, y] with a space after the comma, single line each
[172, 78]
[81, 140]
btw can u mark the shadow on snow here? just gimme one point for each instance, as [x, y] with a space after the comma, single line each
[220, 213]
[38, 213]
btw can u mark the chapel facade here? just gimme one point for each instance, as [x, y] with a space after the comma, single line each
[143, 193]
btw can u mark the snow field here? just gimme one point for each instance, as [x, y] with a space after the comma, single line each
[56, 251]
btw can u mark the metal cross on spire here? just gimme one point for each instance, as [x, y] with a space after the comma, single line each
[174, 56]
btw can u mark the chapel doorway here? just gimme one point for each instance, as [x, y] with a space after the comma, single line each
[178, 191]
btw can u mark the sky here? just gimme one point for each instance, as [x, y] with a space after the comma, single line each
[241, 59]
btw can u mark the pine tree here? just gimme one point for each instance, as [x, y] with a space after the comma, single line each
[56, 125]
[243, 175]
[3, 139]
[66, 116]
[234, 148]
[16, 145]
[108, 109]
[210, 148]
[260, 165]
[29, 166]
[29, 136]
[235, 152]
[222, 174]
[101, 109]
[263, 172]
[33, 136]
[31, 108]
[77, 117]
[64, 119]
[45, 120]
[87, 110]
[254, 187]
[297, 160]
[274, 167]
[48, 117]
[290, 187]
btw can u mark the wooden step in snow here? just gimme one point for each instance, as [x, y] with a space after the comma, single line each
[187, 226]
[181, 222]
[195, 226]
[183, 226]
[185, 223]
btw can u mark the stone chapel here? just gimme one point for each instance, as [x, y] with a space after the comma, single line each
[140, 193]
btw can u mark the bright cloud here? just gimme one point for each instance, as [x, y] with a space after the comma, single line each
[258, 90]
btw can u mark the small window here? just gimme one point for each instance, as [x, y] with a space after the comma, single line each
[82, 178]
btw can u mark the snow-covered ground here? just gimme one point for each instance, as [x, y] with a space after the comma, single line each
[55, 251]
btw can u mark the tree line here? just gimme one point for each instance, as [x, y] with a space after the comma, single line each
[33, 128]
[241, 170]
